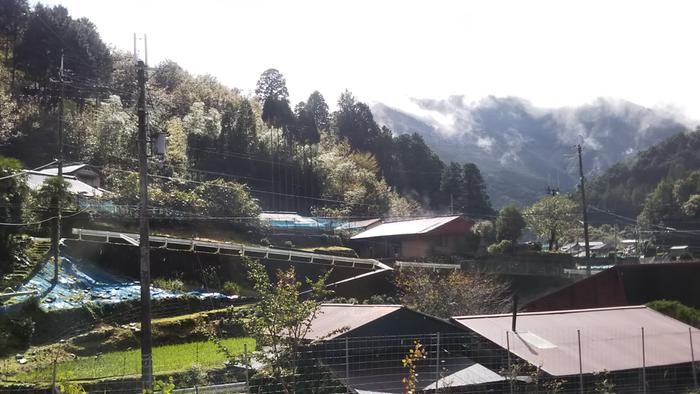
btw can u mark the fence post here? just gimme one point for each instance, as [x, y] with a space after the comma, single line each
[53, 377]
[644, 365]
[692, 358]
[347, 365]
[437, 364]
[580, 363]
[510, 370]
[124, 365]
[247, 366]
[197, 351]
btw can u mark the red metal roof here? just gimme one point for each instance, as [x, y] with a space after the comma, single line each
[406, 227]
[611, 338]
[347, 317]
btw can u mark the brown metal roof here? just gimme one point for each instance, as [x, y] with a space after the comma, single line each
[345, 317]
[406, 227]
[611, 338]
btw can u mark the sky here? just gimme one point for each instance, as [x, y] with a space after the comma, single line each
[552, 53]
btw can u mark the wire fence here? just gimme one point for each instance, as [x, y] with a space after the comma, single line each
[547, 361]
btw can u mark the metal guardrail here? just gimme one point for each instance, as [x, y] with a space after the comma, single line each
[434, 266]
[11, 294]
[225, 248]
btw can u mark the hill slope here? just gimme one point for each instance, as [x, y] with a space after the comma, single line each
[522, 149]
[623, 187]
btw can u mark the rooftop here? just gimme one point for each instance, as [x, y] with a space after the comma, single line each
[406, 227]
[36, 179]
[347, 317]
[68, 169]
[611, 338]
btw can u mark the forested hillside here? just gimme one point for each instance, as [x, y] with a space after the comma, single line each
[287, 157]
[624, 187]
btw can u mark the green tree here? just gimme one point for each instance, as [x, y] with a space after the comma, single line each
[281, 321]
[51, 30]
[239, 128]
[223, 198]
[452, 294]
[9, 112]
[271, 91]
[551, 217]
[474, 200]
[509, 224]
[317, 107]
[202, 122]
[13, 194]
[660, 206]
[114, 129]
[176, 150]
[272, 85]
[13, 19]
[417, 167]
[307, 129]
[451, 185]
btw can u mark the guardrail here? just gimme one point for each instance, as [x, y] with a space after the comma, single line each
[433, 266]
[225, 248]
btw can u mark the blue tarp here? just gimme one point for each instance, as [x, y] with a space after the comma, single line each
[82, 282]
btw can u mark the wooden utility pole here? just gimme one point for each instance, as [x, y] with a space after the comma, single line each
[146, 345]
[59, 197]
[585, 212]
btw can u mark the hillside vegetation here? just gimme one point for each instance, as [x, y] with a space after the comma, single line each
[624, 187]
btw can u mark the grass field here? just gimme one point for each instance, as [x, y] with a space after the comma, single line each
[166, 359]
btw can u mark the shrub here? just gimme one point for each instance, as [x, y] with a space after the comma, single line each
[289, 244]
[195, 375]
[170, 284]
[265, 242]
[677, 311]
[231, 288]
[505, 246]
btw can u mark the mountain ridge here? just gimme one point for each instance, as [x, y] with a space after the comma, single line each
[523, 149]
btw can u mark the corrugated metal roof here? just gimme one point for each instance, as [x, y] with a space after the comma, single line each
[611, 338]
[36, 179]
[334, 317]
[454, 372]
[406, 227]
[66, 169]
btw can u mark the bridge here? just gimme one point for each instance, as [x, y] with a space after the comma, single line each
[228, 249]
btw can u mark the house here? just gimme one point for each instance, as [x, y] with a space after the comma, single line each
[362, 346]
[596, 249]
[624, 285]
[35, 180]
[443, 235]
[82, 172]
[633, 344]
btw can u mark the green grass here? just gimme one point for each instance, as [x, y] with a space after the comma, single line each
[166, 359]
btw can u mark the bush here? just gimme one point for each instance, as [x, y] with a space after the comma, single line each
[265, 242]
[170, 284]
[503, 247]
[195, 375]
[289, 244]
[231, 288]
[677, 311]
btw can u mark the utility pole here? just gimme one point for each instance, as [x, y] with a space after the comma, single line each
[585, 212]
[57, 220]
[146, 345]
[552, 234]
